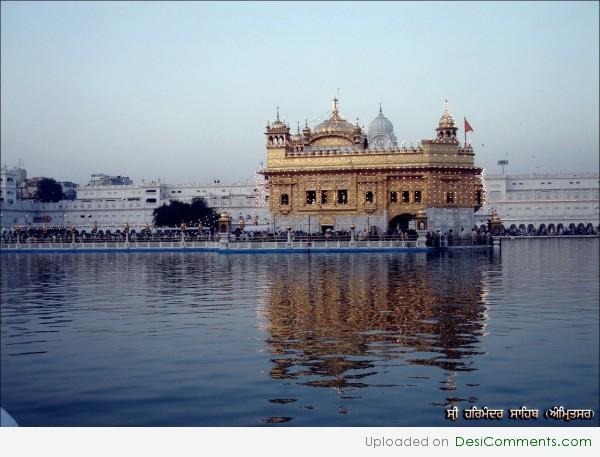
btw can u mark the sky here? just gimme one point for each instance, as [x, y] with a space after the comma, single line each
[183, 91]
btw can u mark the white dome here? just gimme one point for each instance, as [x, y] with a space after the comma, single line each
[381, 132]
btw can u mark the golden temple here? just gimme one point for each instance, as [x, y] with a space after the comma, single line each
[336, 175]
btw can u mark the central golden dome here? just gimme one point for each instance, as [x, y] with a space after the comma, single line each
[335, 124]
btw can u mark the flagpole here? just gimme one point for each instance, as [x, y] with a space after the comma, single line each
[464, 125]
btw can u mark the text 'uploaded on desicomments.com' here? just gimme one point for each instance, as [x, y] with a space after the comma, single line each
[481, 441]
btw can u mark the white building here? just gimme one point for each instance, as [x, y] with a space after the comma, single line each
[542, 202]
[106, 202]
[240, 200]
[116, 204]
[8, 186]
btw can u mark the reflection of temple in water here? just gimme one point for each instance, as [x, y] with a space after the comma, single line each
[330, 327]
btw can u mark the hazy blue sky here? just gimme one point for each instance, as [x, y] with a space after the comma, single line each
[183, 91]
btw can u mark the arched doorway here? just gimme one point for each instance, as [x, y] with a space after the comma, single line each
[400, 222]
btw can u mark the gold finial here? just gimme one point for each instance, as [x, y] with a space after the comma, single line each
[445, 105]
[278, 114]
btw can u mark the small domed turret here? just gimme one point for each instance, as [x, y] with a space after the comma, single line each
[356, 130]
[446, 121]
[298, 138]
[306, 130]
[278, 122]
[446, 131]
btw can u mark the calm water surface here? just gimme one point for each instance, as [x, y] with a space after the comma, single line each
[199, 339]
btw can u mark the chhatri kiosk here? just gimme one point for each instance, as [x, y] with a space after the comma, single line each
[335, 175]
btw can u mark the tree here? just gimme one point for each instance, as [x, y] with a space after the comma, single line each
[48, 190]
[172, 214]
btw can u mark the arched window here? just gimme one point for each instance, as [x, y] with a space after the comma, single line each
[285, 200]
[393, 197]
[369, 197]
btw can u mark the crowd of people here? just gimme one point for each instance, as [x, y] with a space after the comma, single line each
[477, 235]
[38, 234]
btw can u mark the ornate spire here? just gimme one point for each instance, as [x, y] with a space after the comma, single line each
[335, 111]
[380, 112]
[278, 114]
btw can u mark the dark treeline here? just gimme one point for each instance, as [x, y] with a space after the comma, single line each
[175, 213]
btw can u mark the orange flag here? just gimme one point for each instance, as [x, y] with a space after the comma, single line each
[468, 127]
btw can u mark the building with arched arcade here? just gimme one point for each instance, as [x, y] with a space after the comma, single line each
[335, 174]
[543, 203]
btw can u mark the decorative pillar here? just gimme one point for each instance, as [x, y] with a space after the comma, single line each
[224, 225]
[496, 228]
[421, 225]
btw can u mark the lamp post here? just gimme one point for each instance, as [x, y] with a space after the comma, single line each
[503, 163]
[352, 239]
[182, 226]
[126, 230]
[289, 236]
[72, 229]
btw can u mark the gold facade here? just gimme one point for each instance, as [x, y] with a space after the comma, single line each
[308, 173]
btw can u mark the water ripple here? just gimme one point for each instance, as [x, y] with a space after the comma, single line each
[368, 339]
